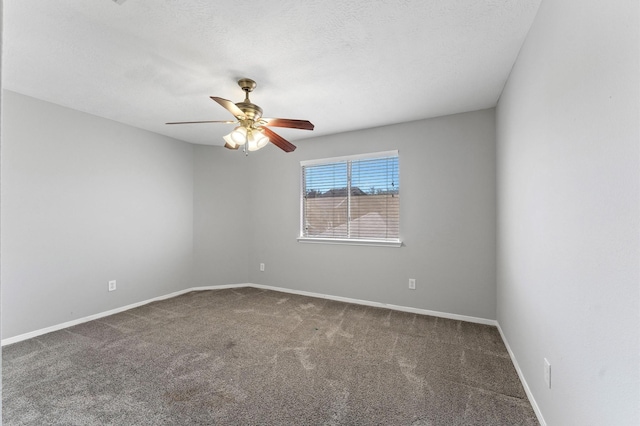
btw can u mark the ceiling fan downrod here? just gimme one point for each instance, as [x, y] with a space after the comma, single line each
[251, 111]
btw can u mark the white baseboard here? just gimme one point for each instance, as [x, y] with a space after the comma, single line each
[525, 385]
[67, 324]
[380, 305]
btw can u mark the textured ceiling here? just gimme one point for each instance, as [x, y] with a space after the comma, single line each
[343, 65]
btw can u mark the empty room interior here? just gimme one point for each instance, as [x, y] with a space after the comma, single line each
[241, 270]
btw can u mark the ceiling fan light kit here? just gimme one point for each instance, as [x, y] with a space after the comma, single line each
[252, 132]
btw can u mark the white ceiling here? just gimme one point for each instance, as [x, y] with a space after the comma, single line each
[342, 64]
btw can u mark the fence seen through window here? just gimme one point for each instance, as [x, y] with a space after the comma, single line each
[352, 198]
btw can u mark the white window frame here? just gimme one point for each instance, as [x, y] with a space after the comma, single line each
[348, 241]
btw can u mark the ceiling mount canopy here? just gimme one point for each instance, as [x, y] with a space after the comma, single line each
[251, 131]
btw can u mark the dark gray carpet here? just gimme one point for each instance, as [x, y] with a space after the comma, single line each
[256, 357]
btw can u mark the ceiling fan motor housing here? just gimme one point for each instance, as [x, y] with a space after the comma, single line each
[251, 111]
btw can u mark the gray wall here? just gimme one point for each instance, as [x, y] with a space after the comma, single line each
[569, 198]
[448, 219]
[221, 226]
[87, 200]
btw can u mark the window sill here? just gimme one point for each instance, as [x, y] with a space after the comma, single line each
[379, 243]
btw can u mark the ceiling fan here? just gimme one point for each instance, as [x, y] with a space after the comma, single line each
[253, 132]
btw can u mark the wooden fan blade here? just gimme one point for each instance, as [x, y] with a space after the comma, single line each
[278, 140]
[226, 145]
[288, 122]
[197, 122]
[230, 106]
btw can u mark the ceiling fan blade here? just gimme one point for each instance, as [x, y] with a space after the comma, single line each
[278, 140]
[226, 145]
[197, 122]
[288, 122]
[229, 106]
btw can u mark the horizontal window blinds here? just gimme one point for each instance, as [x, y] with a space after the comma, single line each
[356, 199]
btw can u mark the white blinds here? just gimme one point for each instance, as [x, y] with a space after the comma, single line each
[352, 198]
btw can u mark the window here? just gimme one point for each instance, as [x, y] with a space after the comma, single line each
[353, 199]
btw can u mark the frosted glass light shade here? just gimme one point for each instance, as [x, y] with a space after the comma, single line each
[229, 140]
[239, 135]
[256, 140]
[262, 140]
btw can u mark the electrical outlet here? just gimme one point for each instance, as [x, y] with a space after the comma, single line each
[412, 283]
[112, 285]
[547, 373]
[262, 267]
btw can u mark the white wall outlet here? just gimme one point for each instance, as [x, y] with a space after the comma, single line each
[412, 283]
[547, 373]
[262, 267]
[112, 285]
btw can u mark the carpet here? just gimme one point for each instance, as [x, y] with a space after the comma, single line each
[250, 356]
